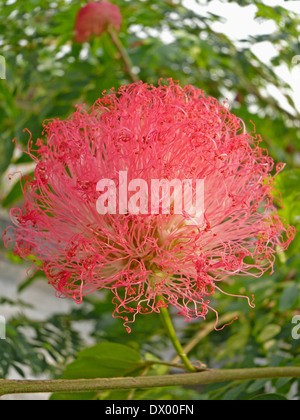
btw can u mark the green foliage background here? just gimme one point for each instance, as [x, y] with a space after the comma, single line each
[47, 74]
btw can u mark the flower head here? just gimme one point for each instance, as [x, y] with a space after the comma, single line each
[164, 132]
[95, 18]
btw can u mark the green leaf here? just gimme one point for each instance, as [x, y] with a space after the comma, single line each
[269, 332]
[257, 385]
[288, 183]
[288, 298]
[105, 360]
[15, 193]
[269, 397]
[6, 153]
[29, 281]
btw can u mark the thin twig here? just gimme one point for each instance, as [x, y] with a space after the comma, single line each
[123, 53]
[208, 328]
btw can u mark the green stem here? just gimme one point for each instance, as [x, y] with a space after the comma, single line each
[97, 385]
[123, 53]
[167, 322]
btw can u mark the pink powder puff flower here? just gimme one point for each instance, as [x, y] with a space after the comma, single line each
[164, 132]
[95, 18]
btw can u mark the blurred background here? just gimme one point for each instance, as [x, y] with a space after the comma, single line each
[245, 51]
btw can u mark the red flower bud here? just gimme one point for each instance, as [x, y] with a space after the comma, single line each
[95, 18]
